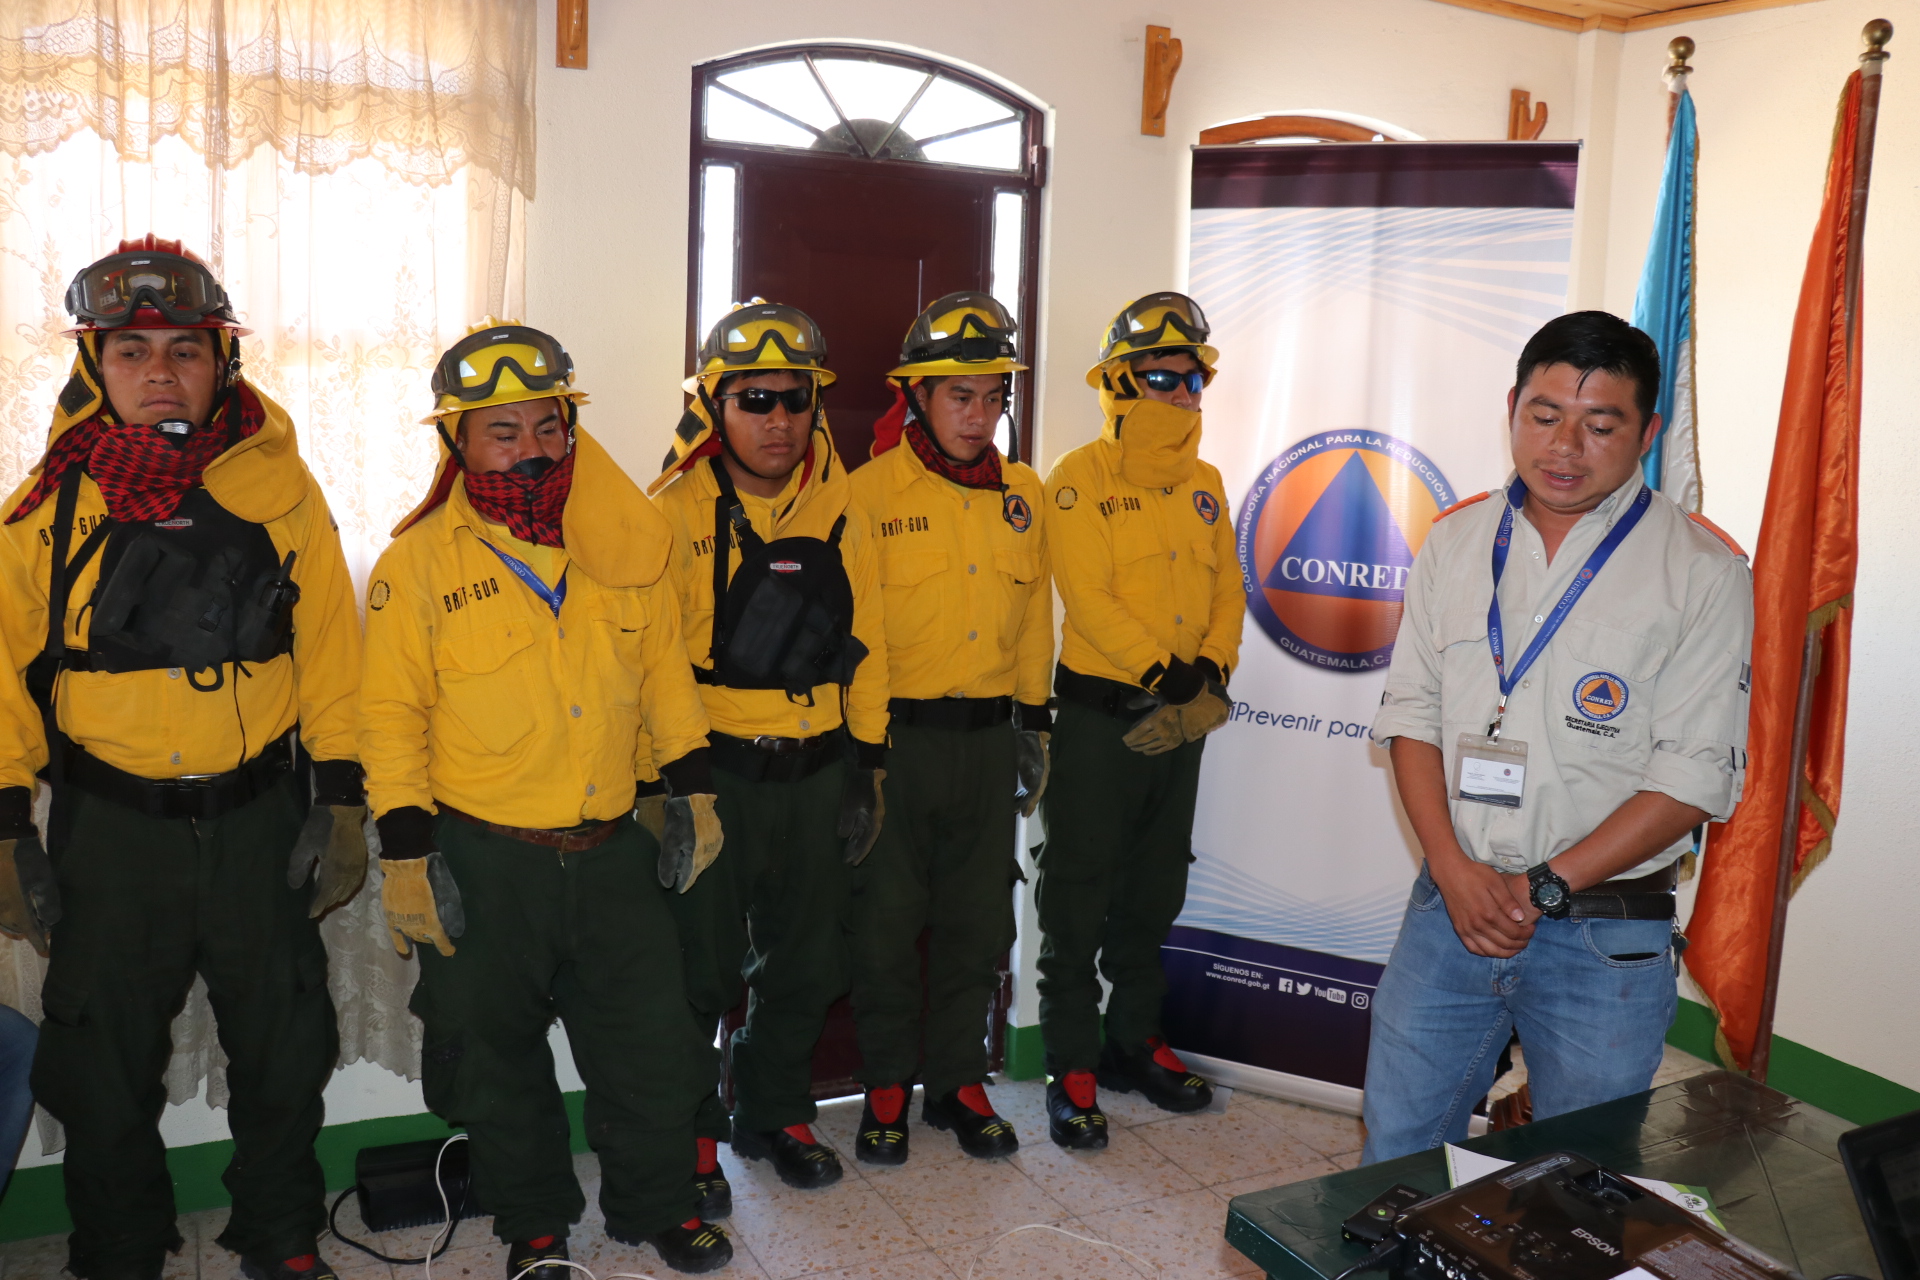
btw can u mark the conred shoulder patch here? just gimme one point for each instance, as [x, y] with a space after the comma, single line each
[1065, 496]
[378, 595]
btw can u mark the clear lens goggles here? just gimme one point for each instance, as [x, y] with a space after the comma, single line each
[1161, 319]
[1168, 379]
[112, 290]
[759, 401]
[471, 369]
[967, 327]
[743, 337]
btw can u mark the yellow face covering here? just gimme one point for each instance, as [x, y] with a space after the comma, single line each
[1159, 442]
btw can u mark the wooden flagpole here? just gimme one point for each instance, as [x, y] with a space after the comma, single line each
[1876, 33]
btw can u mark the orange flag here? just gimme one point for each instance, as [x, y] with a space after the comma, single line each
[1803, 583]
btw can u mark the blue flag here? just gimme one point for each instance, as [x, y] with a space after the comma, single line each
[1663, 307]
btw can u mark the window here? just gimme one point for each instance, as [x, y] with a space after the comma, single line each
[859, 185]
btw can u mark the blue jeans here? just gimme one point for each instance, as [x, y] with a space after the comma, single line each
[1592, 1026]
[18, 1036]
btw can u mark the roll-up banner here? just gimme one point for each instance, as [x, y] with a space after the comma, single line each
[1369, 301]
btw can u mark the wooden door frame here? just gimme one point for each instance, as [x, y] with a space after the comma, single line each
[1029, 182]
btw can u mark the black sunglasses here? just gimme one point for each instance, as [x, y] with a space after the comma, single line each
[759, 401]
[1168, 379]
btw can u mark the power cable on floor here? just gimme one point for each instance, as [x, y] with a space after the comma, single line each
[1041, 1226]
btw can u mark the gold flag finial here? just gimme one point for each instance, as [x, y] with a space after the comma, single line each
[1679, 49]
[1876, 34]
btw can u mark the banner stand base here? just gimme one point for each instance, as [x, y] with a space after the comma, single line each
[1287, 1087]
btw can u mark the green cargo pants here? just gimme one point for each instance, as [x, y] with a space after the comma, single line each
[945, 862]
[769, 916]
[584, 936]
[1113, 876]
[148, 903]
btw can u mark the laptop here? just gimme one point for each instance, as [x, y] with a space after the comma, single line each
[1883, 1164]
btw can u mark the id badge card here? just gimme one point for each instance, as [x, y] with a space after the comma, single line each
[1490, 770]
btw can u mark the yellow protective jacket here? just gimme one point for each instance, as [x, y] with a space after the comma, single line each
[964, 577]
[1144, 574]
[154, 723]
[816, 495]
[476, 695]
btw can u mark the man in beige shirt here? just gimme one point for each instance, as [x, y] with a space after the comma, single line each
[1554, 752]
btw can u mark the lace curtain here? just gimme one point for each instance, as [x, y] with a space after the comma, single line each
[355, 172]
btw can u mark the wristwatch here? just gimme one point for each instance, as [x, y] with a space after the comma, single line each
[1549, 892]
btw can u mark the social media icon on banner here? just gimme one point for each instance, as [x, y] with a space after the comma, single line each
[1326, 539]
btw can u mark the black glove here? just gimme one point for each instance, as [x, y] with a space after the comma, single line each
[862, 806]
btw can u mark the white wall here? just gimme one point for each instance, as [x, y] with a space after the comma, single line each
[613, 151]
[1765, 87]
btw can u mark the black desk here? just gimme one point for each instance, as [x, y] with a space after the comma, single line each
[1771, 1162]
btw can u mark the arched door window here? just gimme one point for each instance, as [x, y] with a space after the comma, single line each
[860, 184]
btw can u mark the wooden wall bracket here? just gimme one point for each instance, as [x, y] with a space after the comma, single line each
[570, 34]
[1524, 125]
[1163, 64]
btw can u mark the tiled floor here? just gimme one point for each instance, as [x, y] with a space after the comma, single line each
[1159, 1190]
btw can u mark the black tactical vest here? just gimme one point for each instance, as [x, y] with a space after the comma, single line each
[785, 619]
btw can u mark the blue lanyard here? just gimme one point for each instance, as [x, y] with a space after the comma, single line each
[1581, 581]
[555, 596]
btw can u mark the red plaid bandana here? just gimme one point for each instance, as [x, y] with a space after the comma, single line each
[982, 473]
[531, 509]
[141, 474]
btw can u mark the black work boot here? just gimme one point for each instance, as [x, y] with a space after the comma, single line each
[797, 1158]
[307, 1266]
[713, 1194]
[883, 1126]
[1074, 1118]
[522, 1254]
[693, 1246]
[967, 1113]
[1158, 1073]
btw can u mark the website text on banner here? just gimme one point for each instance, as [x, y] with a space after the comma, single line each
[1372, 297]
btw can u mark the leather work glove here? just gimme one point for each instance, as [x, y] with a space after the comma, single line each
[1178, 697]
[691, 841]
[419, 896]
[862, 805]
[334, 837]
[29, 895]
[1032, 755]
[1208, 711]
[650, 811]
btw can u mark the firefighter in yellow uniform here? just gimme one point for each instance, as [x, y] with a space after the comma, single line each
[172, 564]
[780, 592]
[524, 667]
[1143, 558]
[963, 572]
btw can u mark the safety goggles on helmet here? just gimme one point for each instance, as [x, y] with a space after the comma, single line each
[759, 401]
[970, 327]
[764, 335]
[110, 293]
[1167, 379]
[1157, 320]
[472, 368]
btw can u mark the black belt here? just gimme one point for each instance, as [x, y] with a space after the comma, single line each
[770, 759]
[1109, 696]
[1642, 898]
[205, 796]
[963, 714]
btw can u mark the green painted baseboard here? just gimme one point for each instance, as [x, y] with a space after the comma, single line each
[1807, 1074]
[1026, 1059]
[35, 1203]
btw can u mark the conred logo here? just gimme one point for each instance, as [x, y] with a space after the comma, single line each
[786, 566]
[1326, 539]
[1600, 695]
